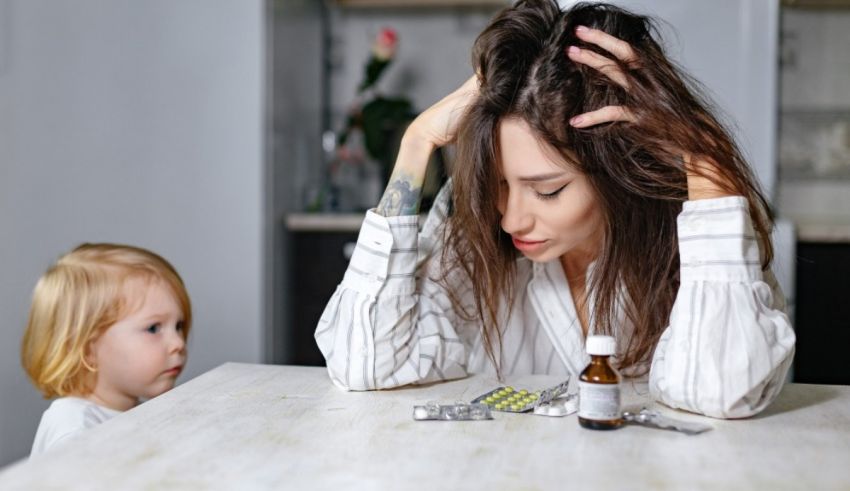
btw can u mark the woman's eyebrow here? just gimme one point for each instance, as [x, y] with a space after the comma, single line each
[542, 177]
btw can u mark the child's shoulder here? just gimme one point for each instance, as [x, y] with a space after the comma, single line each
[66, 417]
[78, 411]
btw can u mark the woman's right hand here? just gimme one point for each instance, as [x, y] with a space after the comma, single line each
[437, 125]
[434, 128]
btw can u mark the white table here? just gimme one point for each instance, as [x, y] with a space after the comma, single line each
[259, 426]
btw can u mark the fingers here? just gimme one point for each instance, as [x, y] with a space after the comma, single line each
[599, 62]
[607, 114]
[437, 125]
[467, 93]
[472, 83]
[623, 52]
[463, 95]
[617, 47]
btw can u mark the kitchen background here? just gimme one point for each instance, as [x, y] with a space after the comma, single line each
[201, 131]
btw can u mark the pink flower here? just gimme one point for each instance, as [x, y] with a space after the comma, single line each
[385, 44]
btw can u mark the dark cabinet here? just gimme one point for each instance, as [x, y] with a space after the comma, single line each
[822, 313]
[317, 263]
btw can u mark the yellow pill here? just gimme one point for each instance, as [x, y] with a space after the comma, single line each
[523, 392]
[509, 389]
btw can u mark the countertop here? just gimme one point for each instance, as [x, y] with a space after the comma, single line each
[324, 222]
[822, 228]
[243, 426]
[807, 228]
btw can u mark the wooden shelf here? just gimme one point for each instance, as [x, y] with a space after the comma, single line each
[816, 4]
[421, 3]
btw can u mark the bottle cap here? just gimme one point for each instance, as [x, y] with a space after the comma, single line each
[601, 345]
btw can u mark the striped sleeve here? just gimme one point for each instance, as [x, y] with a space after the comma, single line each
[389, 323]
[729, 344]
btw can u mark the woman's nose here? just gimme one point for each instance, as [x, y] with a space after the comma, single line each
[515, 219]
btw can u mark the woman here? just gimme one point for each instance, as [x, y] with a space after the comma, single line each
[593, 192]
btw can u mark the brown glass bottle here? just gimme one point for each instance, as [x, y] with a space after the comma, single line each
[599, 387]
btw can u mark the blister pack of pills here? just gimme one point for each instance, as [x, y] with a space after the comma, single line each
[654, 419]
[559, 407]
[511, 400]
[459, 411]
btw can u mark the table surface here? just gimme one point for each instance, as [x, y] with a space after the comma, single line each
[244, 426]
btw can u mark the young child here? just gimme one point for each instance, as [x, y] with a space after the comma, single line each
[107, 328]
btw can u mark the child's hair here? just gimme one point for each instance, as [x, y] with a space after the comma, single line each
[76, 300]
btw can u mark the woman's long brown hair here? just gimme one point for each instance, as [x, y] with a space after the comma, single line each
[635, 169]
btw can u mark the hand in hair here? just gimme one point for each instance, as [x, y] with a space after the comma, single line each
[623, 52]
[437, 125]
[704, 178]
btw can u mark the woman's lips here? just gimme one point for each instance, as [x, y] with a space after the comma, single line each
[528, 245]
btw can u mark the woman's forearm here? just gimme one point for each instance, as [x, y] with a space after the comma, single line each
[404, 189]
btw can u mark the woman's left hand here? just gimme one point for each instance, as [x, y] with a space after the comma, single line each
[700, 185]
[623, 52]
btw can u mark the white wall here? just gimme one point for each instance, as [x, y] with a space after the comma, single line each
[133, 122]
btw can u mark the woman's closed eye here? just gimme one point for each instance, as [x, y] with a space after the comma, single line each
[554, 194]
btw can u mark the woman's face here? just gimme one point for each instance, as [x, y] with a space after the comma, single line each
[547, 206]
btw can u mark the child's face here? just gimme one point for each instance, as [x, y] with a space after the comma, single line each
[141, 355]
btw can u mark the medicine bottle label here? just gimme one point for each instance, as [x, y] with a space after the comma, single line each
[598, 401]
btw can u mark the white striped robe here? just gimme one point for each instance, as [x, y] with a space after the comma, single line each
[725, 353]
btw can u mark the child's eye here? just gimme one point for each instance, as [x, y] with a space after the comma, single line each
[153, 328]
[179, 326]
[552, 195]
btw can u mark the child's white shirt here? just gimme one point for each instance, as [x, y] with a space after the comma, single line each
[65, 418]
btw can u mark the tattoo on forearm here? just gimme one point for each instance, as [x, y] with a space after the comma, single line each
[401, 197]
